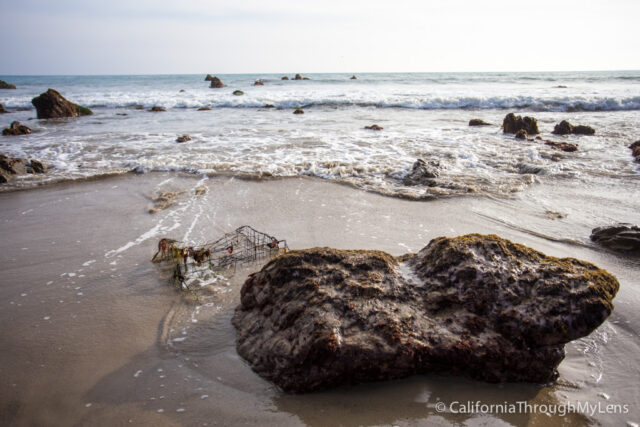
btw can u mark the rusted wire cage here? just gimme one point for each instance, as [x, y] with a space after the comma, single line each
[242, 246]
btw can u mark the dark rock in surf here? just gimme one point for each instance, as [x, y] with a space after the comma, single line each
[258, 83]
[5, 85]
[204, 108]
[635, 150]
[620, 237]
[513, 123]
[374, 127]
[2, 110]
[157, 109]
[284, 78]
[208, 78]
[521, 134]
[422, 173]
[181, 91]
[476, 305]
[566, 128]
[238, 92]
[38, 166]
[16, 128]
[478, 122]
[52, 105]
[13, 166]
[216, 83]
[297, 77]
[354, 77]
[183, 138]
[298, 111]
[268, 106]
[305, 78]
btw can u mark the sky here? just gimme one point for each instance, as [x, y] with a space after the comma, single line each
[289, 36]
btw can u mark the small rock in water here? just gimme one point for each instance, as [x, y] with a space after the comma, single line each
[298, 111]
[564, 146]
[16, 128]
[620, 237]
[200, 190]
[51, 105]
[635, 150]
[258, 83]
[474, 305]
[163, 201]
[208, 78]
[521, 134]
[216, 83]
[183, 138]
[297, 77]
[374, 127]
[478, 122]
[422, 173]
[157, 109]
[5, 85]
[566, 128]
[238, 92]
[284, 78]
[513, 123]
[354, 77]
[2, 110]
[204, 108]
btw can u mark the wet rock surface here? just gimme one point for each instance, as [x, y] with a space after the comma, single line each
[298, 111]
[374, 127]
[52, 105]
[16, 128]
[183, 138]
[620, 237]
[635, 150]
[563, 146]
[513, 123]
[475, 305]
[2, 110]
[157, 109]
[423, 173]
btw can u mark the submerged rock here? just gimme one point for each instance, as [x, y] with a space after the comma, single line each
[183, 138]
[204, 108]
[422, 173]
[564, 146]
[478, 122]
[298, 111]
[374, 127]
[513, 123]
[619, 237]
[156, 109]
[238, 92]
[52, 105]
[16, 128]
[354, 77]
[216, 83]
[284, 78]
[475, 305]
[566, 128]
[5, 85]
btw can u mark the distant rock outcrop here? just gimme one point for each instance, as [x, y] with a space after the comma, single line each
[5, 85]
[204, 108]
[16, 128]
[374, 127]
[298, 111]
[284, 78]
[216, 83]
[183, 138]
[566, 128]
[297, 77]
[475, 305]
[620, 237]
[478, 122]
[354, 77]
[52, 105]
[208, 78]
[513, 123]
[258, 83]
[157, 109]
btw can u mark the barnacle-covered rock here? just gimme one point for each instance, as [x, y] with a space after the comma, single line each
[475, 305]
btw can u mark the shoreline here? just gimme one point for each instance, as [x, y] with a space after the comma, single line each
[119, 315]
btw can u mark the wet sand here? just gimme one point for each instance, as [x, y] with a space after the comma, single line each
[94, 334]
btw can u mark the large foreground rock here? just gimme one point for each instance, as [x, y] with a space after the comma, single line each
[619, 237]
[52, 105]
[513, 123]
[474, 305]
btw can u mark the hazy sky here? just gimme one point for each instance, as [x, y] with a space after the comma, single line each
[196, 36]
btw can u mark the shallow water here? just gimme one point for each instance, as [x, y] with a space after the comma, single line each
[96, 334]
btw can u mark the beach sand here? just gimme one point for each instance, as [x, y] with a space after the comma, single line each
[95, 334]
